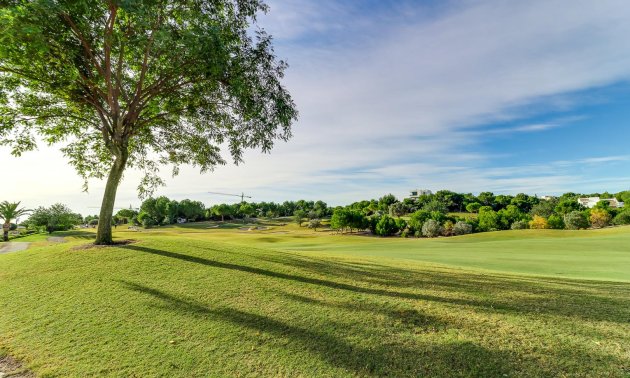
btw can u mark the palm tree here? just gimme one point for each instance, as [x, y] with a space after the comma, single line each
[9, 211]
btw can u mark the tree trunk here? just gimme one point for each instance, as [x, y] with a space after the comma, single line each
[5, 231]
[104, 232]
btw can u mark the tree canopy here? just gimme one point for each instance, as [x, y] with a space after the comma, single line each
[139, 84]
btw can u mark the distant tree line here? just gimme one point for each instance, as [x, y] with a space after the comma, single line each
[163, 211]
[444, 213]
[447, 213]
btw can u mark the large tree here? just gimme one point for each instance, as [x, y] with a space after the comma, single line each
[139, 84]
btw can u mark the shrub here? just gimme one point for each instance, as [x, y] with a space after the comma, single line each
[538, 223]
[448, 228]
[314, 224]
[438, 216]
[462, 228]
[575, 220]
[556, 222]
[417, 219]
[510, 215]
[404, 234]
[148, 222]
[386, 226]
[544, 208]
[520, 225]
[599, 218]
[401, 224]
[398, 209]
[488, 219]
[473, 207]
[435, 205]
[431, 229]
[622, 218]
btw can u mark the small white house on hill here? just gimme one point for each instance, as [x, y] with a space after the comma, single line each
[590, 202]
[415, 193]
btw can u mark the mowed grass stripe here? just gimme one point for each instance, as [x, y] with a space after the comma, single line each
[586, 254]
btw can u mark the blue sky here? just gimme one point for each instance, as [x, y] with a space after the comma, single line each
[463, 95]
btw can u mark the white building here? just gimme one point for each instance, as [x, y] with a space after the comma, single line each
[415, 193]
[590, 202]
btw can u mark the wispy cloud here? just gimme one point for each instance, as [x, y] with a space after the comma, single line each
[398, 95]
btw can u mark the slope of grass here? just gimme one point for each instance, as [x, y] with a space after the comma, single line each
[181, 302]
[587, 254]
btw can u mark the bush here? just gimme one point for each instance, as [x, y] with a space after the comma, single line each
[599, 218]
[386, 226]
[462, 228]
[556, 222]
[404, 234]
[448, 228]
[520, 225]
[488, 219]
[398, 209]
[435, 205]
[473, 207]
[417, 219]
[314, 224]
[401, 224]
[431, 229]
[148, 222]
[575, 220]
[538, 223]
[622, 218]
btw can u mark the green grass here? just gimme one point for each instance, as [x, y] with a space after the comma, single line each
[594, 254]
[192, 301]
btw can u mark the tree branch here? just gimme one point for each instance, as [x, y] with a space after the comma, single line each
[86, 45]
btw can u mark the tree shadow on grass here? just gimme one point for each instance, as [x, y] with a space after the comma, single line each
[79, 234]
[463, 289]
[452, 359]
[592, 300]
[291, 277]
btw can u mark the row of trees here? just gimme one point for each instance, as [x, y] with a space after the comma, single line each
[439, 214]
[429, 215]
[162, 211]
[420, 223]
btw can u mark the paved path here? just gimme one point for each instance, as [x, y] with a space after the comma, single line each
[7, 247]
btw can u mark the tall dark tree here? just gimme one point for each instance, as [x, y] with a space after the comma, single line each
[139, 84]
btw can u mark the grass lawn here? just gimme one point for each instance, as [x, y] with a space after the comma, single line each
[201, 300]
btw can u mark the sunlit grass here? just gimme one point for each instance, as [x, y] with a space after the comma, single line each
[196, 301]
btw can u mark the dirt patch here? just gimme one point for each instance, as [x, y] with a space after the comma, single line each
[56, 239]
[254, 228]
[7, 247]
[10, 367]
[117, 243]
